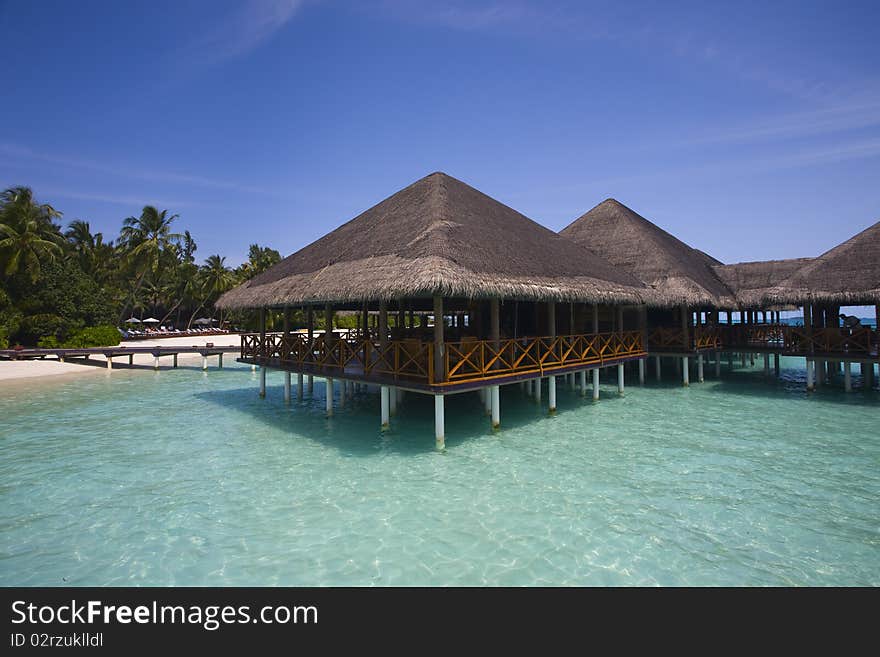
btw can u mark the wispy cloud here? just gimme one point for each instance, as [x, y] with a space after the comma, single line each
[22, 153]
[113, 199]
[840, 118]
[254, 23]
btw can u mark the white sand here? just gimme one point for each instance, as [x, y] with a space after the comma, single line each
[14, 370]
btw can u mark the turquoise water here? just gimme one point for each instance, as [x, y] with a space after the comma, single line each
[186, 478]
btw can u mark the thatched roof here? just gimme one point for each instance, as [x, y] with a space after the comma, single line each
[750, 281]
[677, 273]
[437, 236]
[848, 274]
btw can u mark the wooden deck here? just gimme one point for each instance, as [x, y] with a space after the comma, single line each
[464, 365]
[114, 352]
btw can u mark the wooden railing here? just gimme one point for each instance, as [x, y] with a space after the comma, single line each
[669, 339]
[800, 340]
[463, 360]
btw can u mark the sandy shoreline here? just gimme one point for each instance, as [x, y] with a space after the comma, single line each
[50, 368]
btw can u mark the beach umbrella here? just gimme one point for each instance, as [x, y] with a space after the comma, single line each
[132, 320]
[151, 320]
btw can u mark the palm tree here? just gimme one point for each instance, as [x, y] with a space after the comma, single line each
[28, 234]
[215, 278]
[145, 239]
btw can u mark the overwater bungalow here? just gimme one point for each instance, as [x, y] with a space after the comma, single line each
[685, 293]
[455, 292]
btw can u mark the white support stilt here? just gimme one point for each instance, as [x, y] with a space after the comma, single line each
[572, 381]
[496, 406]
[439, 423]
[328, 383]
[384, 394]
[155, 362]
[596, 384]
[868, 375]
[342, 393]
[641, 371]
[583, 383]
[253, 367]
[109, 362]
[219, 361]
[657, 366]
[811, 365]
[685, 371]
[776, 365]
[700, 377]
[767, 366]
[262, 382]
[311, 383]
[204, 362]
[392, 399]
[299, 387]
[551, 392]
[487, 400]
[717, 364]
[287, 387]
[847, 376]
[538, 390]
[620, 378]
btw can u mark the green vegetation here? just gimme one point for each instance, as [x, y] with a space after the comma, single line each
[70, 287]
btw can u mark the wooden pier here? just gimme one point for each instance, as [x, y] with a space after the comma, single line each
[72, 355]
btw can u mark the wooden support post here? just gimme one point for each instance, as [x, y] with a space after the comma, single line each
[287, 387]
[596, 384]
[262, 381]
[551, 393]
[685, 371]
[583, 383]
[130, 360]
[496, 406]
[620, 378]
[328, 383]
[439, 353]
[847, 376]
[299, 386]
[700, 377]
[385, 395]
[439, 423]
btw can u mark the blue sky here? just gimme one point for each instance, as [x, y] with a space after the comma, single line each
[748, 129]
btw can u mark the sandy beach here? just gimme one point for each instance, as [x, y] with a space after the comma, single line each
[15, 370]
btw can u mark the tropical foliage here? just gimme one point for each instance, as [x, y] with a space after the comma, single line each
[66, 285]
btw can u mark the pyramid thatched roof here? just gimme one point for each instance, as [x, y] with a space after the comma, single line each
[750, 281]
[677, 273]
[437, 236]
[848, 274]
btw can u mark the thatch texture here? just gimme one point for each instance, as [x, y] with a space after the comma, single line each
[848, 274]
[750, 281]
[676, 273]
[438, 236]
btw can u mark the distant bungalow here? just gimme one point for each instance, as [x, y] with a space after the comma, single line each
[456, 292]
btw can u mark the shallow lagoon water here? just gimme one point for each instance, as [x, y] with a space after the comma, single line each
[188, 478]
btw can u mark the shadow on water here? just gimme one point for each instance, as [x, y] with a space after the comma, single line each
[354, 428]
